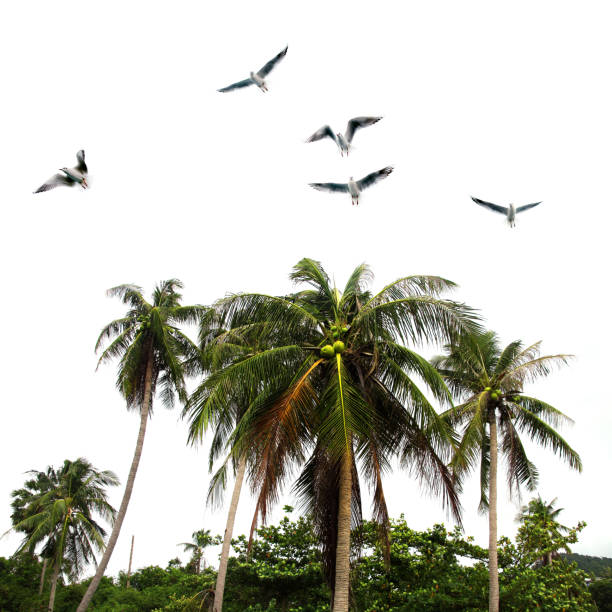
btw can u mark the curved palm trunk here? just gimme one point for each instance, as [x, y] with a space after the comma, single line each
[493, 569]
[227, 536]
[42, 576]
[343, 546]
[54, 580]
[144, 416]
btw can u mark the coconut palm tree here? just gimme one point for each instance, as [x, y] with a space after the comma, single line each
[55, 510]
[152, 353]
[494, 412]
[545, 515]
[201, 540]
[335, 390]
[221, 348]
[41, 482]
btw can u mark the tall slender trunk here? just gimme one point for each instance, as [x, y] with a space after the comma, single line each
[127, 582]
[42, 576]
[54, 579]
[144, 416]
[227, 536]
[493, 569]
[343, 546]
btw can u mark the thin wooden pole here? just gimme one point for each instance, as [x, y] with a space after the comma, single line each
[127, 584]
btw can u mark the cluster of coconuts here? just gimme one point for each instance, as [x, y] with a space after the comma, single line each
[495, 394]
[329, 350]
[144, 322]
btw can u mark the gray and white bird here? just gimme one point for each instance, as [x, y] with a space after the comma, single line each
[257, 78]
[344, 140]
[68, 177]
[509, 212]
[355, 187]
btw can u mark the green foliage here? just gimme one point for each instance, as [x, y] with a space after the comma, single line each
[532, 578]
[601, 591]
[599, 566]
[283, 568]
[432, 570]
[19, 578]
[557, 587]
[539, 538]
[424, 573]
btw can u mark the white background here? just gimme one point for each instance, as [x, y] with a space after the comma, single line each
[509, 102]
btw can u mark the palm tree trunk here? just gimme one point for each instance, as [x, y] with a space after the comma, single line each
[227, 536]
[493, 569]
[199, 562]
[54, 579]
[144, 416]
[42, 576]
[343, 546]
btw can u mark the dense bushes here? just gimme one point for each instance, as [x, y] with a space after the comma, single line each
[432, 570]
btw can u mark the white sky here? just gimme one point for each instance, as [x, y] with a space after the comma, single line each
[509, 102]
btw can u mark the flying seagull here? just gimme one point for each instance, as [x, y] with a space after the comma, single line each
[68, 176]
[355, 187]
[344, 140]
[257, 78]
[510, 212]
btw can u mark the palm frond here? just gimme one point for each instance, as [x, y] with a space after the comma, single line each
[130, 295]
[411, 286]
[531, 370]
[418, 319]
[547, 437]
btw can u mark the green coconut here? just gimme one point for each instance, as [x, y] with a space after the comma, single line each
[494, 395]
[327, 351]
[339, 346]
[333, 328]
[335, 334]
[487, 388]
[345, 330]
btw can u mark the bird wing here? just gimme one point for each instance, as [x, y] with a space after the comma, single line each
[55, 181]
[370, 179]
[323, 132]
[338, 187]
[526, 207]
[358, 122]
[237, 85]
[267, 68]
[495, 207]
[81, 166]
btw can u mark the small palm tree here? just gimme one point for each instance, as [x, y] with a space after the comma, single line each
[201, 540]
[489, 381]
[544, 515]
[41, 482]
[55, 510]
[152, 352]
[333, 388]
